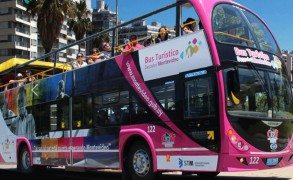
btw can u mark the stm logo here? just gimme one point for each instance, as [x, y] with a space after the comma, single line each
[180, 163]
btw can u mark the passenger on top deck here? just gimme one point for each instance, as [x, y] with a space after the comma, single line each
[191, 23]
[132, 46]
[106, 50]
[19, 80]
[29, 77]
[162, 35]
[79, 62]
[95, 56]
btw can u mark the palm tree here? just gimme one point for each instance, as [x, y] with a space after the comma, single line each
[50, 17]
[81, 23]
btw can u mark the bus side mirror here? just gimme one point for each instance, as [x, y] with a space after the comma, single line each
[233, 86]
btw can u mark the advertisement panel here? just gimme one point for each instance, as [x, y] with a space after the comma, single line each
[168, 58]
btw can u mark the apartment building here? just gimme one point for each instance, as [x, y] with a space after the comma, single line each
[18, 32]
[19, 37]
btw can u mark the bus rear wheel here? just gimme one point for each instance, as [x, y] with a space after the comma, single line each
[139, 164]
[24, 161]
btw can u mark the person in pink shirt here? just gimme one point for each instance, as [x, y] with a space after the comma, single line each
[133, 45]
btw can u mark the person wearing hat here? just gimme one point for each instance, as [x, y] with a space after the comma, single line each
[79, 62]
[191, 23]
[19, 80]
[133, 45]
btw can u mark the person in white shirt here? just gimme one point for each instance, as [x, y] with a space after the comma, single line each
[106, 50]
[79, 62]
[19, 80]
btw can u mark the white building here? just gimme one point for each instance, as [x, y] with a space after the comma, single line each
[103, 18]
[142, 31]
[18, 37]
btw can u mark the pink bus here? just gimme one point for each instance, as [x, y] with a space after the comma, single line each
[212, 100]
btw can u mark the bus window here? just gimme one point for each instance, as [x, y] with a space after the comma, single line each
[264, 37]
[82, 112]
[165, 93]
[63, 114]
[199, 98]
[140, 113]
[230, 27]
[42, 118]
[53, 117]
[111, 109]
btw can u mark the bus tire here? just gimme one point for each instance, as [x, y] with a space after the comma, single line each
[24, 161]
[207, 175]
[139, 162]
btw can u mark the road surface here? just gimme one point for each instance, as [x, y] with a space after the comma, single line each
[9, 172]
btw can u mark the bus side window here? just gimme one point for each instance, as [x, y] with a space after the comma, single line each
[82, 112]
[199, 98]
[63, 114]
[42, 119]
[139, 114]
[165, 94]
[111, 109]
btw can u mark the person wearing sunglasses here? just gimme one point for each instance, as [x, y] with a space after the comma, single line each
[79, 62]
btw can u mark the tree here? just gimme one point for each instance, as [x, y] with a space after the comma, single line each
[81, 23]
[50, 17]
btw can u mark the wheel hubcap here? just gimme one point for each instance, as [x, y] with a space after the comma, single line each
[26, 161]
[141, 162]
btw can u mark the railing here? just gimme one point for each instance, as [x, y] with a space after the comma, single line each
[113, 31]
[91, 37]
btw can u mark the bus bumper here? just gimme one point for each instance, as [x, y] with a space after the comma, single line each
[244, 162]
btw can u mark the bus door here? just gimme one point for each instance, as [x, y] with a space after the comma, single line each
[200, 113]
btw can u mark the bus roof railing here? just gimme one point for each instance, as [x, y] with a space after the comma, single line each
[91, 37]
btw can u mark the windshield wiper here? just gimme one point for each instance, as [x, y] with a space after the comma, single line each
[262, 82]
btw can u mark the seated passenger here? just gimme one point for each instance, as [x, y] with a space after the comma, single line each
[79, 62]
[149, 42]
[186, 29]
[162, 35]
[132, 46]
[19, 80]
[191, 23]
[95, 57]
[106, 50]
[29, 77]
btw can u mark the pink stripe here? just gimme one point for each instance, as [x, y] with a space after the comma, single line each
[1, 159]
[130, 72]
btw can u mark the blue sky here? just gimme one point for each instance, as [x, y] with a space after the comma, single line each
[276, 13]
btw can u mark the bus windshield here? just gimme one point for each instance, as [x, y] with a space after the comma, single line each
[260, 94]
[234, 25]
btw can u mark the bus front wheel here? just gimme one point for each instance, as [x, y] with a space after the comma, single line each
[24, 161]
[139, 164]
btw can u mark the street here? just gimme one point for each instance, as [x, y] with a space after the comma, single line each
[58, 174]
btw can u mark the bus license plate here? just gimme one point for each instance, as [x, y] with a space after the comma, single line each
[272, 161]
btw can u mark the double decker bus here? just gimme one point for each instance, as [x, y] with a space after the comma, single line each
[218, 99]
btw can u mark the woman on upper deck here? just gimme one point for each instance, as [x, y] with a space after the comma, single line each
[162, 35]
